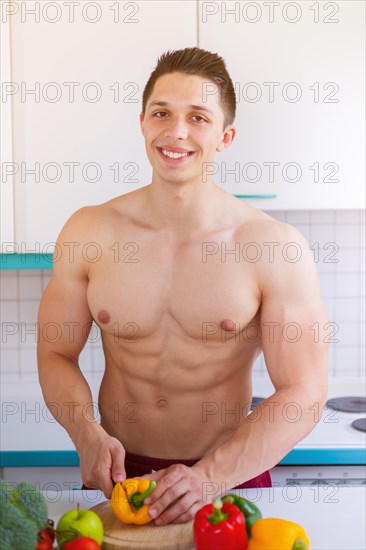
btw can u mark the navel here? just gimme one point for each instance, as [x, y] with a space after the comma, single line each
[103, 316]
[162, 403]
[227, 324]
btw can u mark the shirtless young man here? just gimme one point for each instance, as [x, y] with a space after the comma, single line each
[182, 319]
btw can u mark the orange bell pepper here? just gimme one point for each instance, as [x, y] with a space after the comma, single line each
[278, 534]
[128, 500]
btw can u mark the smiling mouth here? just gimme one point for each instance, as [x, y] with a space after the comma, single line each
[173, 157]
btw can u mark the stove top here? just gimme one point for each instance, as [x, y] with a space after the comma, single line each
[352, 404]
[359, 424]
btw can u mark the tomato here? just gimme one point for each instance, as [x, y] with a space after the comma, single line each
[44, 544]
[48, 533]
[46, 536]
[50, 529]
[82, 543]
[45, 539]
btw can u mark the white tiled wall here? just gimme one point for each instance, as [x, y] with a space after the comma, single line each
[342, 285]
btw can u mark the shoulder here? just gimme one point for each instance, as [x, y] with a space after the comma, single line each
[279, 252]
[96, 220]
[262, 228]
[86, 232]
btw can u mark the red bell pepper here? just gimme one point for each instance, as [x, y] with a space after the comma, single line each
[220, 526]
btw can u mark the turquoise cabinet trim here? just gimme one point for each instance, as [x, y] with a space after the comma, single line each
[303, 457]
[25, 261]
[25, 459]
[296, 457]
[262, 196]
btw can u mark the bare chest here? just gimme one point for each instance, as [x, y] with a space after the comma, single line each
[180, 290]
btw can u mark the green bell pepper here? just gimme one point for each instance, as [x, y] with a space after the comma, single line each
[247, 508]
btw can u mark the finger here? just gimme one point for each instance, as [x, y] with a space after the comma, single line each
[104, 473]
[118, 464]
[169, 498]
[170, 478]
[106, 484]
[153, 476]
[189, 514]
[176, 510]
[156, 476]
[89, 484]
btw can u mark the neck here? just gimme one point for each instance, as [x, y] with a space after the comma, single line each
[184, 209]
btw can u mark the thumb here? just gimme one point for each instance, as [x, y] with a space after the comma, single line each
[118, 465]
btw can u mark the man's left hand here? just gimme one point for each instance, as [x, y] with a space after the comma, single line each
[180, 492]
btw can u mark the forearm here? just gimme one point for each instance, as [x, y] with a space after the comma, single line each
[67, 395]
[263, 438]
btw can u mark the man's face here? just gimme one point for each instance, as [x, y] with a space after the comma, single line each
[183, 127]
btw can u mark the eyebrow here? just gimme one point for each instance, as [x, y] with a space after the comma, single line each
[195, 107]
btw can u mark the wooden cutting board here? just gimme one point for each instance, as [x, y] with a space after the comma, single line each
[118, 536]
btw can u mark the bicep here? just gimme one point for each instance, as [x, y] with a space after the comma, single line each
[293, 326]
[64, 317]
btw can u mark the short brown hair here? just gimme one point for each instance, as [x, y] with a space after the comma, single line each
[201, 63]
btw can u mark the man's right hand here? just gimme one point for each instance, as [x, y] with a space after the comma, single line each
[102, 459]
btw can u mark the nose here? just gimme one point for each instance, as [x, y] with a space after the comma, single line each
[177, 128]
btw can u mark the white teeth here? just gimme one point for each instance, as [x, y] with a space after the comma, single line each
[174, 155]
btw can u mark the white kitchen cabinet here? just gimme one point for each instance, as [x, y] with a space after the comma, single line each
[70, 129]
[298, 70]
[76, 98]
[6, 189]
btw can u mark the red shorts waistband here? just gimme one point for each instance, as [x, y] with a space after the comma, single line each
[139, 465]
[157, 463]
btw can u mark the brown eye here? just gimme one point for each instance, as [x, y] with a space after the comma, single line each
[200, 117]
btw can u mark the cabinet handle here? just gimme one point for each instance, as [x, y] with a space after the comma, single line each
[255, 196]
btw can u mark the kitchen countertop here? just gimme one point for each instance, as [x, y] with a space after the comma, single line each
[30, 436]
[333, 517]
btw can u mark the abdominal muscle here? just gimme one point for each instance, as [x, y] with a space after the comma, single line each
[181, 405]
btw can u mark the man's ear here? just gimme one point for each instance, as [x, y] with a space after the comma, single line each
[142, 122]
[227, 138]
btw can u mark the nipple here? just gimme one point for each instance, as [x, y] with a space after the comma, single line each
[103, 316]
[227, 324]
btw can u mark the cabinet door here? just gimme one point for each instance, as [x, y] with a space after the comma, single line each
[298, 69]
[79, 69]
[6, 189]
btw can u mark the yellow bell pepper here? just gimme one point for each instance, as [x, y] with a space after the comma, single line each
[278, 534]
[128, 500]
